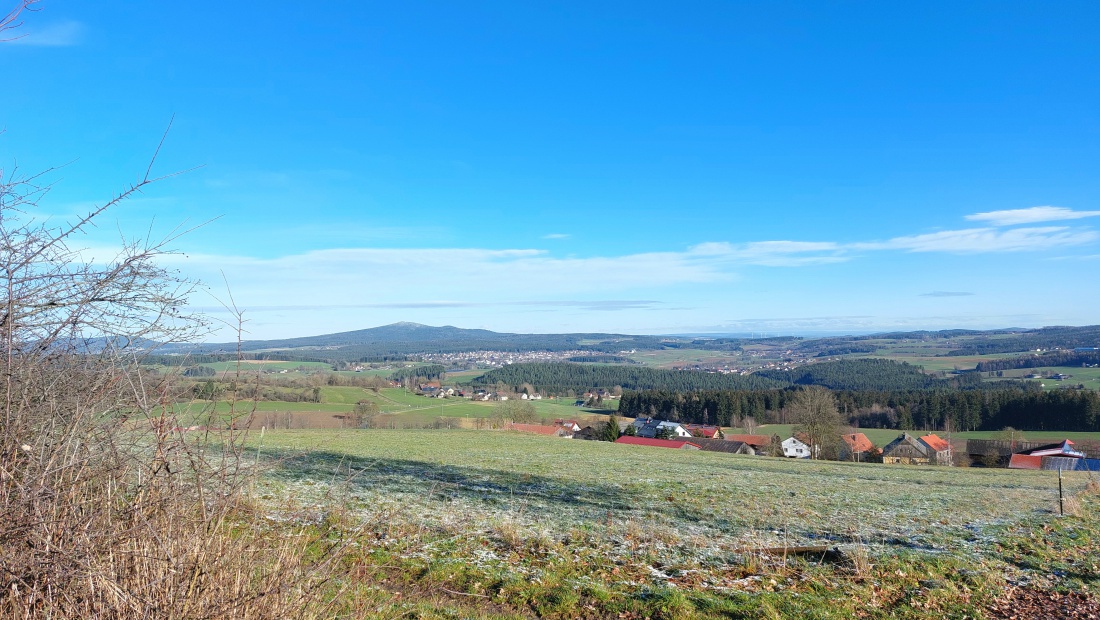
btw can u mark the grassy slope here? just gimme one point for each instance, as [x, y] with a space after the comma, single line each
[518, 526]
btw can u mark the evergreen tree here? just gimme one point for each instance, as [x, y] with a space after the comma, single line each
[610, 430]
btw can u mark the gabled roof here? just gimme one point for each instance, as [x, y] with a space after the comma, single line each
[1064, 448]
[904, 445]
[721, 445]
[937, 444]
[703, 430]
[752, 440]
[1025, 461]
[858, 442]
[553, 431]
[658, 443]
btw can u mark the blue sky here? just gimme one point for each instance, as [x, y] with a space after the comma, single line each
[551, 167]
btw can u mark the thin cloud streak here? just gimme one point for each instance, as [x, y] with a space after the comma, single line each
[597, 304]
[947, 294]
[983, 240]
[1033, 215]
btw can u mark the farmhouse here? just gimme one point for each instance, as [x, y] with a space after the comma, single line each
[657, 443]
[940, 449]
[795, 448]
[908, 450]
[570, 425]
[856, 447]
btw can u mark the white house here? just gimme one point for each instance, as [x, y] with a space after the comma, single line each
[795, 449]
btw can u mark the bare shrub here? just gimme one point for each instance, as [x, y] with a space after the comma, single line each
[110, 509]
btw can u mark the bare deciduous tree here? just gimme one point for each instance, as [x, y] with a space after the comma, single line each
[818, 419]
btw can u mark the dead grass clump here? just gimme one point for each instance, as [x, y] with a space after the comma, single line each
[104, 521]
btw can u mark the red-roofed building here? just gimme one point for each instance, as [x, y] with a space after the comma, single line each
[939, 449]
[704, 431]
[569, 425]
[1060, 455]
[1025, 461]
[1064, 448]
[856, 446]
[657, 443]
[756, 441]
[909, 450]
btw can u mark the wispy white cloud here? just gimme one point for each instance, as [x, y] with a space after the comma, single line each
[1033, 215]
[556, 236]
[946, 294]
[866, 324]
[464, 277]
[981, 240]
[60, 34]
[772, 253]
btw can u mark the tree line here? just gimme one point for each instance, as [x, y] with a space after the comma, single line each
[429, 372]
[1044, 338]
[1056, 358]
[1022, 407]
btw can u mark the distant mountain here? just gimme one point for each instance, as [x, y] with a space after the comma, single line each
[397, 332]
[413, 338]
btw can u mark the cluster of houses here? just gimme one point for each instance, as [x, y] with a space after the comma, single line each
[928, 449]
[906, 449]
[433, 389]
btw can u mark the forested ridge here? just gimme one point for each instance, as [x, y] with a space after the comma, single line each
[862, 374]
[559, 377]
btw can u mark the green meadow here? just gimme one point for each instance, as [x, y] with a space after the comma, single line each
[496, 524]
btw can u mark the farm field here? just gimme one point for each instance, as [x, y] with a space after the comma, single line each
[266, 365]
[532, 526]
[464, 376]
[675, 357]
[939, 364]
[397, 407]
[1090, 377]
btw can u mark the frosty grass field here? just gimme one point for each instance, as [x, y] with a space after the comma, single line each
[474, 508]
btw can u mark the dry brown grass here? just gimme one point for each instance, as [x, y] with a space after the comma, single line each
[102, 520]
